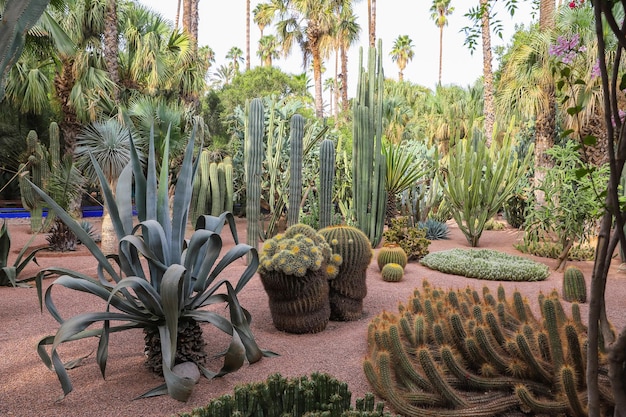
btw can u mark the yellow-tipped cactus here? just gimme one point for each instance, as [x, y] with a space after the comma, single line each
[574, 287]
[391, 253]
[392, 272]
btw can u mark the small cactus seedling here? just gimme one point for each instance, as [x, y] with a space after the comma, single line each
[392, 272]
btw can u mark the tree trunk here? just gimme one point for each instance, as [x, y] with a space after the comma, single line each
[440, 52]
[247, 35]
[336, 83]
[111, 46]
[317, 76]
[177, 21]
[373, 24]
[69, 125]
[344, 79]
[488, 107]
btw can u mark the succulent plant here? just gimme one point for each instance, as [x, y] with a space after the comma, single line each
[9, 273]
[349, 288]
[574, 287]
[391, 253]
[392, 272]
[309, 396]
[411, 239]
[486, 264]
[452, 353]
[435, 230]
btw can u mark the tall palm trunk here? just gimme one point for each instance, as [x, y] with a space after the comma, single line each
[336, 83]
[111, 45]
[546, 115]
[344, 78]
[177, 21]
[371, 13]
[247, 34]
[440, 52]
[69, 125]
[488, 106]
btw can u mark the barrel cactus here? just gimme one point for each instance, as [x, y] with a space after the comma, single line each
[392, 272]
[295, 268]
[391, 253]
[574, 288]
[348, 289]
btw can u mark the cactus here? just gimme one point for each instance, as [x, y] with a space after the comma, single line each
[255, 127]
[392, 272]
[216, 192]
[327, 182]
[229, 184]
[311, 396]
[391, 253]
[348, 289]
[295, 168]
[295, 268]
[368, 162]
[38, 167]
[574, 288]
[435, 356]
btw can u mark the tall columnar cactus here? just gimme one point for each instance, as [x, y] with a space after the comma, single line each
[453, 353]
[254, 159]
[55, 146]
[18, 16]
[368, 162]
[574, 287]
[38, 168]
[349, 288]
[296, 135]
[229, 184]
[203, 187]
[327, 182]
[216, 192]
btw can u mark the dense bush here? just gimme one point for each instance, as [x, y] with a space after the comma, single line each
[411, 239]
[486, 264]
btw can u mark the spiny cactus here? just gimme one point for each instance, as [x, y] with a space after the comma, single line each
[349, 288]
[391, 253]
[455, 353]
[315, 396]
[295, 268]
[574, 287]
[229, 184]
[392, 272]
[255, 127]
[295, 168]
[327, 182]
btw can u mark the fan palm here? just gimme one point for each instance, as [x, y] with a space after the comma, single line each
[268, 49]
[347, 33]
[235, 55]
[402, 53]
[440, 10]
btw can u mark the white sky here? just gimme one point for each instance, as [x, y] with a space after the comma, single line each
[222, 26]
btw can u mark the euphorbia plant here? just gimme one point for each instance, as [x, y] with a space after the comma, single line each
[164, 295]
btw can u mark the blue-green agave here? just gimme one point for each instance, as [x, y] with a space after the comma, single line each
[179, 278]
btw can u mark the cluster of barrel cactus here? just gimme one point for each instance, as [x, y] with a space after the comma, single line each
[455, 353]
[213, 187]
[317, 395]
[349, 288]
[391, 261]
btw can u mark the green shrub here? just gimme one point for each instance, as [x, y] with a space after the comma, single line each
[493, 224]
[552, 250]
[486, 264]
[295, 397]
[411, 239]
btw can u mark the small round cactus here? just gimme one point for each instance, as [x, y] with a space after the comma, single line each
[391, 253]
[392, 272]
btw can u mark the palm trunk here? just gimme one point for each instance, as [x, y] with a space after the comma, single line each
[440, 52]
[372, 14]
[317, 76]
[247, 35]
[344, 78]
[336, 83]
[488, 107]
[111, 45]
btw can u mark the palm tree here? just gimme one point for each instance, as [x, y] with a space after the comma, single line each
[111, 45]
[329, 85]
[108, 142]
[223, 75]
[347, 33]
[307, 23]
[247, 35]
[488, 109]
[190, 19]
[440, 9]
[268, 49]
[402, 53]
[262, 16]
[235, 55]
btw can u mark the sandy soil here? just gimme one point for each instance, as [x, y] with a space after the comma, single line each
[28, 388]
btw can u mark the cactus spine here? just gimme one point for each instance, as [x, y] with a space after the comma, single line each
[295, 168]
[446, 345]
[574, 288]
[327, 182]
[254, 160]
[368, 164]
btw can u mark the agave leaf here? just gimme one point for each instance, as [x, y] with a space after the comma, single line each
[215, 224]
[233, 254]
[77, 229]
[5, 245]
[171, 293]
[155, 392]
[163, 204]
[156, 237]
[202, 252]
[103, 348]
[141, 185]
[235, 356]
[148, 296]
[123, 197]
[178, 387]
[109, 199]
[241, 324]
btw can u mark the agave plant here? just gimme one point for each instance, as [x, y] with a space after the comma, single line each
[164, 295]
[9, 273]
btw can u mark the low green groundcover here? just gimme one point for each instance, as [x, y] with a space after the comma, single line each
[486, 264]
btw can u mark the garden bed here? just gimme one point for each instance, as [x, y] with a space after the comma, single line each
[30, 389]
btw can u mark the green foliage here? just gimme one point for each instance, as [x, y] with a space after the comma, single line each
[449, 353]
[515, 209]
[486, 264]
[312, 396]
[411, 239]
[392, 272]
[572, 203]
[10, 273]
[553, 250]
[480, 180]
[493, 224]
[435, 229]
[574, 287]
[160, 280]
[391, 253]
